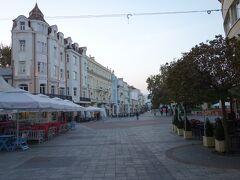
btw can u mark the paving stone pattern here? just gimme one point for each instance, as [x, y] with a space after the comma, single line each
[119, 149]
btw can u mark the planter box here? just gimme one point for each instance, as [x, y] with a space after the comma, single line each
[180, 132]
[187, 134]
[208, 141]
[220, 146]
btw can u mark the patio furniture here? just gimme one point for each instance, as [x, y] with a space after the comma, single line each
[52, 131]
[36, 135]
[72, 125]
[21, 142]
[7, 142]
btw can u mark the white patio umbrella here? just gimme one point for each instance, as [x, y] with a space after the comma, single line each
[96, 109]
[74, 106]
[22, 100]
[4, 86]
[55, 105]
[17, 100]
[227, 104]
[65, 107]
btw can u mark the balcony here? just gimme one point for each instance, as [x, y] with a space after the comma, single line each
[85, 99]
[59, 96]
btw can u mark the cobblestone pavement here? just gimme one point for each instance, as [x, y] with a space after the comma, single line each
[119, 149]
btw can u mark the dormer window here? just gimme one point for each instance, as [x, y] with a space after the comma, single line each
[22, 25]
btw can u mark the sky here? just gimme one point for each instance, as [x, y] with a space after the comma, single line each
[134, 48]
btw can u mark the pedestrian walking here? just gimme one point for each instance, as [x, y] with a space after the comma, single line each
[161, 111]
[137, 115]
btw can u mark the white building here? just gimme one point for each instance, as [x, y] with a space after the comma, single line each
[38, 55]
[114, 95]
[45, 62]
[134, 100]
[84, 90]
[120, 94]
[100, 85]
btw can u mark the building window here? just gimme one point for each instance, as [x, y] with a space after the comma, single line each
[85, 80]
[42, 30]
[43, 88]
[238, 9]
[42, 47]
[55, 70]
[67, 91]
[61, 73]
[23, 86]
[22, 67]
[61, 91]
[39, 67]
[84, 94]
[75, 91]
[22, 25]
[67, 58]
[55, 51]
[68, 74]
[52, 89]
[42, 67]
[61, 56]
[75, 60]
[74, 75]
[22, 45]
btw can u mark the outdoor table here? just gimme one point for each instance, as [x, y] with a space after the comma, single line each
[6, 142]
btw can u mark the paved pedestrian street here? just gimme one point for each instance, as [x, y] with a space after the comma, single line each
[119, 149]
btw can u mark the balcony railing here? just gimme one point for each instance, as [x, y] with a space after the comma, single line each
[59, 96]
[85, 99]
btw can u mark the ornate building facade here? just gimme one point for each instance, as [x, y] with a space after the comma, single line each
[44, 61]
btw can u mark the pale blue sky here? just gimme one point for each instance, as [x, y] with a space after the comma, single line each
[135, 50]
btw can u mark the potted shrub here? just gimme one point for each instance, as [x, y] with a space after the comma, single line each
[187, 133]
[219, 137]
[208, 138]
[180, 126]
[175, 121]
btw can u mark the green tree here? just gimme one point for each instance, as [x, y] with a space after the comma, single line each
[157, 87]
[217, 60]
[5, 56]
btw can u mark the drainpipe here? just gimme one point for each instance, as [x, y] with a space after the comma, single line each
[34, 63]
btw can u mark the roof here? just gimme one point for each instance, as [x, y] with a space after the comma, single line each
[5, 71]
[36, 14]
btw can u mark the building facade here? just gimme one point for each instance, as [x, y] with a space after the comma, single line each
[44, 61]
[84, 90]
[38, 55]
[100, 84]
[231, 16]
[231, 24]
[114, 95]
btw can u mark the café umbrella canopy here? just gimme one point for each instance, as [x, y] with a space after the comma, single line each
[74, 106]
[64, 105]
[96, 109]
[4, 86]
[21, 100]
[55, 105]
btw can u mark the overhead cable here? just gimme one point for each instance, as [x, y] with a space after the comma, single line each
[128, 15]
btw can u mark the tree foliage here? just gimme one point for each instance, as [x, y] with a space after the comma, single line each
[5, 56]
[157, 87]
[210, 71]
